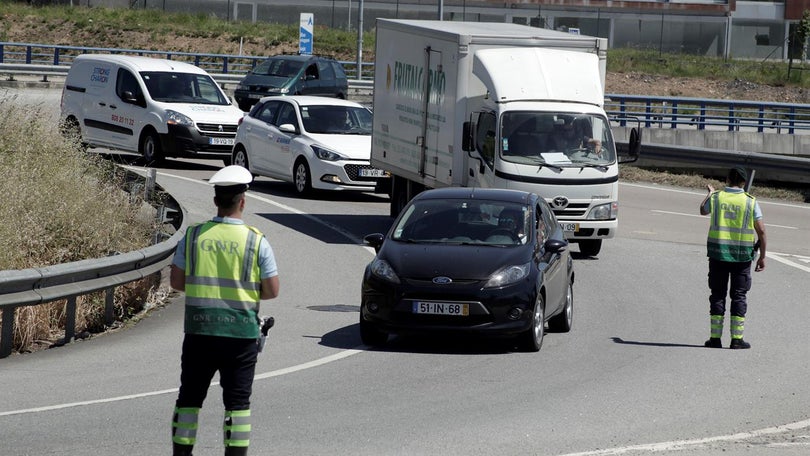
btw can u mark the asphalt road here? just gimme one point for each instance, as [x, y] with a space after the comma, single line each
[631, 377]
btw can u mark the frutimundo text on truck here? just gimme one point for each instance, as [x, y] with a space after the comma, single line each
[408, 82]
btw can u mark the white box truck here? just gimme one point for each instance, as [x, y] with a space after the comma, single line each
[498, 105]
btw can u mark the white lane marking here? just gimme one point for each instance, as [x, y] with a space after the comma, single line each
[288, 370]
[684, 444]
[698, 215]
[780, 257]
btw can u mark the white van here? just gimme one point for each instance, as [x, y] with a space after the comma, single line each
[158, 108]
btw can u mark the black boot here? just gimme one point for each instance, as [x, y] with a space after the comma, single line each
[182, 450]
[739, 344]
[236, 451]
[713, 342]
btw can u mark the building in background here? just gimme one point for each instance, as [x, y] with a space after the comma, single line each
[720, 28]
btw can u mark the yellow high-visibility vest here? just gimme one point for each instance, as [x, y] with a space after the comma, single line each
[731, 230]
[223, 280]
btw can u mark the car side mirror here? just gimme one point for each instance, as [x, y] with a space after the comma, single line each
[288, 128]
[555, 245]
[375, 240]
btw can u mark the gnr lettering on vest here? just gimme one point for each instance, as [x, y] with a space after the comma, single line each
[730, 211]
[229, 247]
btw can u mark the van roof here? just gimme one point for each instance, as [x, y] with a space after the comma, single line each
[139, 63]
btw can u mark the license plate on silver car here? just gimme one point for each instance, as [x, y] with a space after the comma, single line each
[570, 227]
[441, 308]
[371, 172]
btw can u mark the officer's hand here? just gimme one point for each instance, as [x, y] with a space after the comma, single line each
[710, 188]
[760, 264]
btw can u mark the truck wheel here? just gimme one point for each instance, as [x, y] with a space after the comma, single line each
[150, 148]
[301, 177]
[590, 247]
[562, 322]
[532, 339]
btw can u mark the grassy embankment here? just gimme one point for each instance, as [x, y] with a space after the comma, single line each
[62, 205]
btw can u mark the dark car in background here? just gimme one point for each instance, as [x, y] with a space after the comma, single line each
[292, 75]
[457, 260]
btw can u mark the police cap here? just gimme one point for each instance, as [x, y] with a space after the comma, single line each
[231, 180]
[738, 174]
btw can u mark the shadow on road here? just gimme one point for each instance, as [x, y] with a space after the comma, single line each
[619, 340]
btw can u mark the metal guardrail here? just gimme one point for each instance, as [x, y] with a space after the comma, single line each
[702, 114]
[26, 287]
[225, 64]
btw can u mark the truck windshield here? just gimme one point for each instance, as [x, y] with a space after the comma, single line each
[556, 138]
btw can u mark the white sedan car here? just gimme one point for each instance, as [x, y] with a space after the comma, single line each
[313, 142]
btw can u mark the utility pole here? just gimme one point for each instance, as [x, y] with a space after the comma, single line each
[360, 40]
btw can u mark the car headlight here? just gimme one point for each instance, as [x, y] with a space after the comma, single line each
[241, 86]
[175, 118]
[278, 90]
[383, 270]
[508, 275]
[326, 154]
[607, 211]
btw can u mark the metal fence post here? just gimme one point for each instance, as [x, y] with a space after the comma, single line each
[70, 319]
[109, 306]
[7, 331]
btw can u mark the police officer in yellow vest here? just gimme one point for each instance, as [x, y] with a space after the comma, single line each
[735, 219]
[225, 268]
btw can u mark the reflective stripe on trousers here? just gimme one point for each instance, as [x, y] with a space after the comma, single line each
[236, 428]
[716, 324]
[184, 425]
[737, 327]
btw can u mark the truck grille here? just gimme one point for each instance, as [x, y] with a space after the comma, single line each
[574, 210]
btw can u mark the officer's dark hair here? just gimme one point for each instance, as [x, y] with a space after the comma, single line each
[228, 197]
[737, 176]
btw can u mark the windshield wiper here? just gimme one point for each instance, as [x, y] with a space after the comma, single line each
[541, 163]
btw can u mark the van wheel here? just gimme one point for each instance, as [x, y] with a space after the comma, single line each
[71, 130]
[150, 148]
[301, 177]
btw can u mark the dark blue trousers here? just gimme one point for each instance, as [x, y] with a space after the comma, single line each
[732, 280]
[235, 359]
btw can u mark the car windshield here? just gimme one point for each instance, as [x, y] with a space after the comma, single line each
[464, 221]
[336, 120]
[278, 67]
[556, 138]
[170, 87]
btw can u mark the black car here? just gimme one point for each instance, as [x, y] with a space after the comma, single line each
[493, 262]
[292, 75]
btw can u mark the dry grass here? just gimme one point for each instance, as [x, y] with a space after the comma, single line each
[797, 193]
[61, 205]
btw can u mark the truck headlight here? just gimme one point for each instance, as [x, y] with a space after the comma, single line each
[278, 90]
[241, 86]
[326, 154]
[607, 211]
[175, 118]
